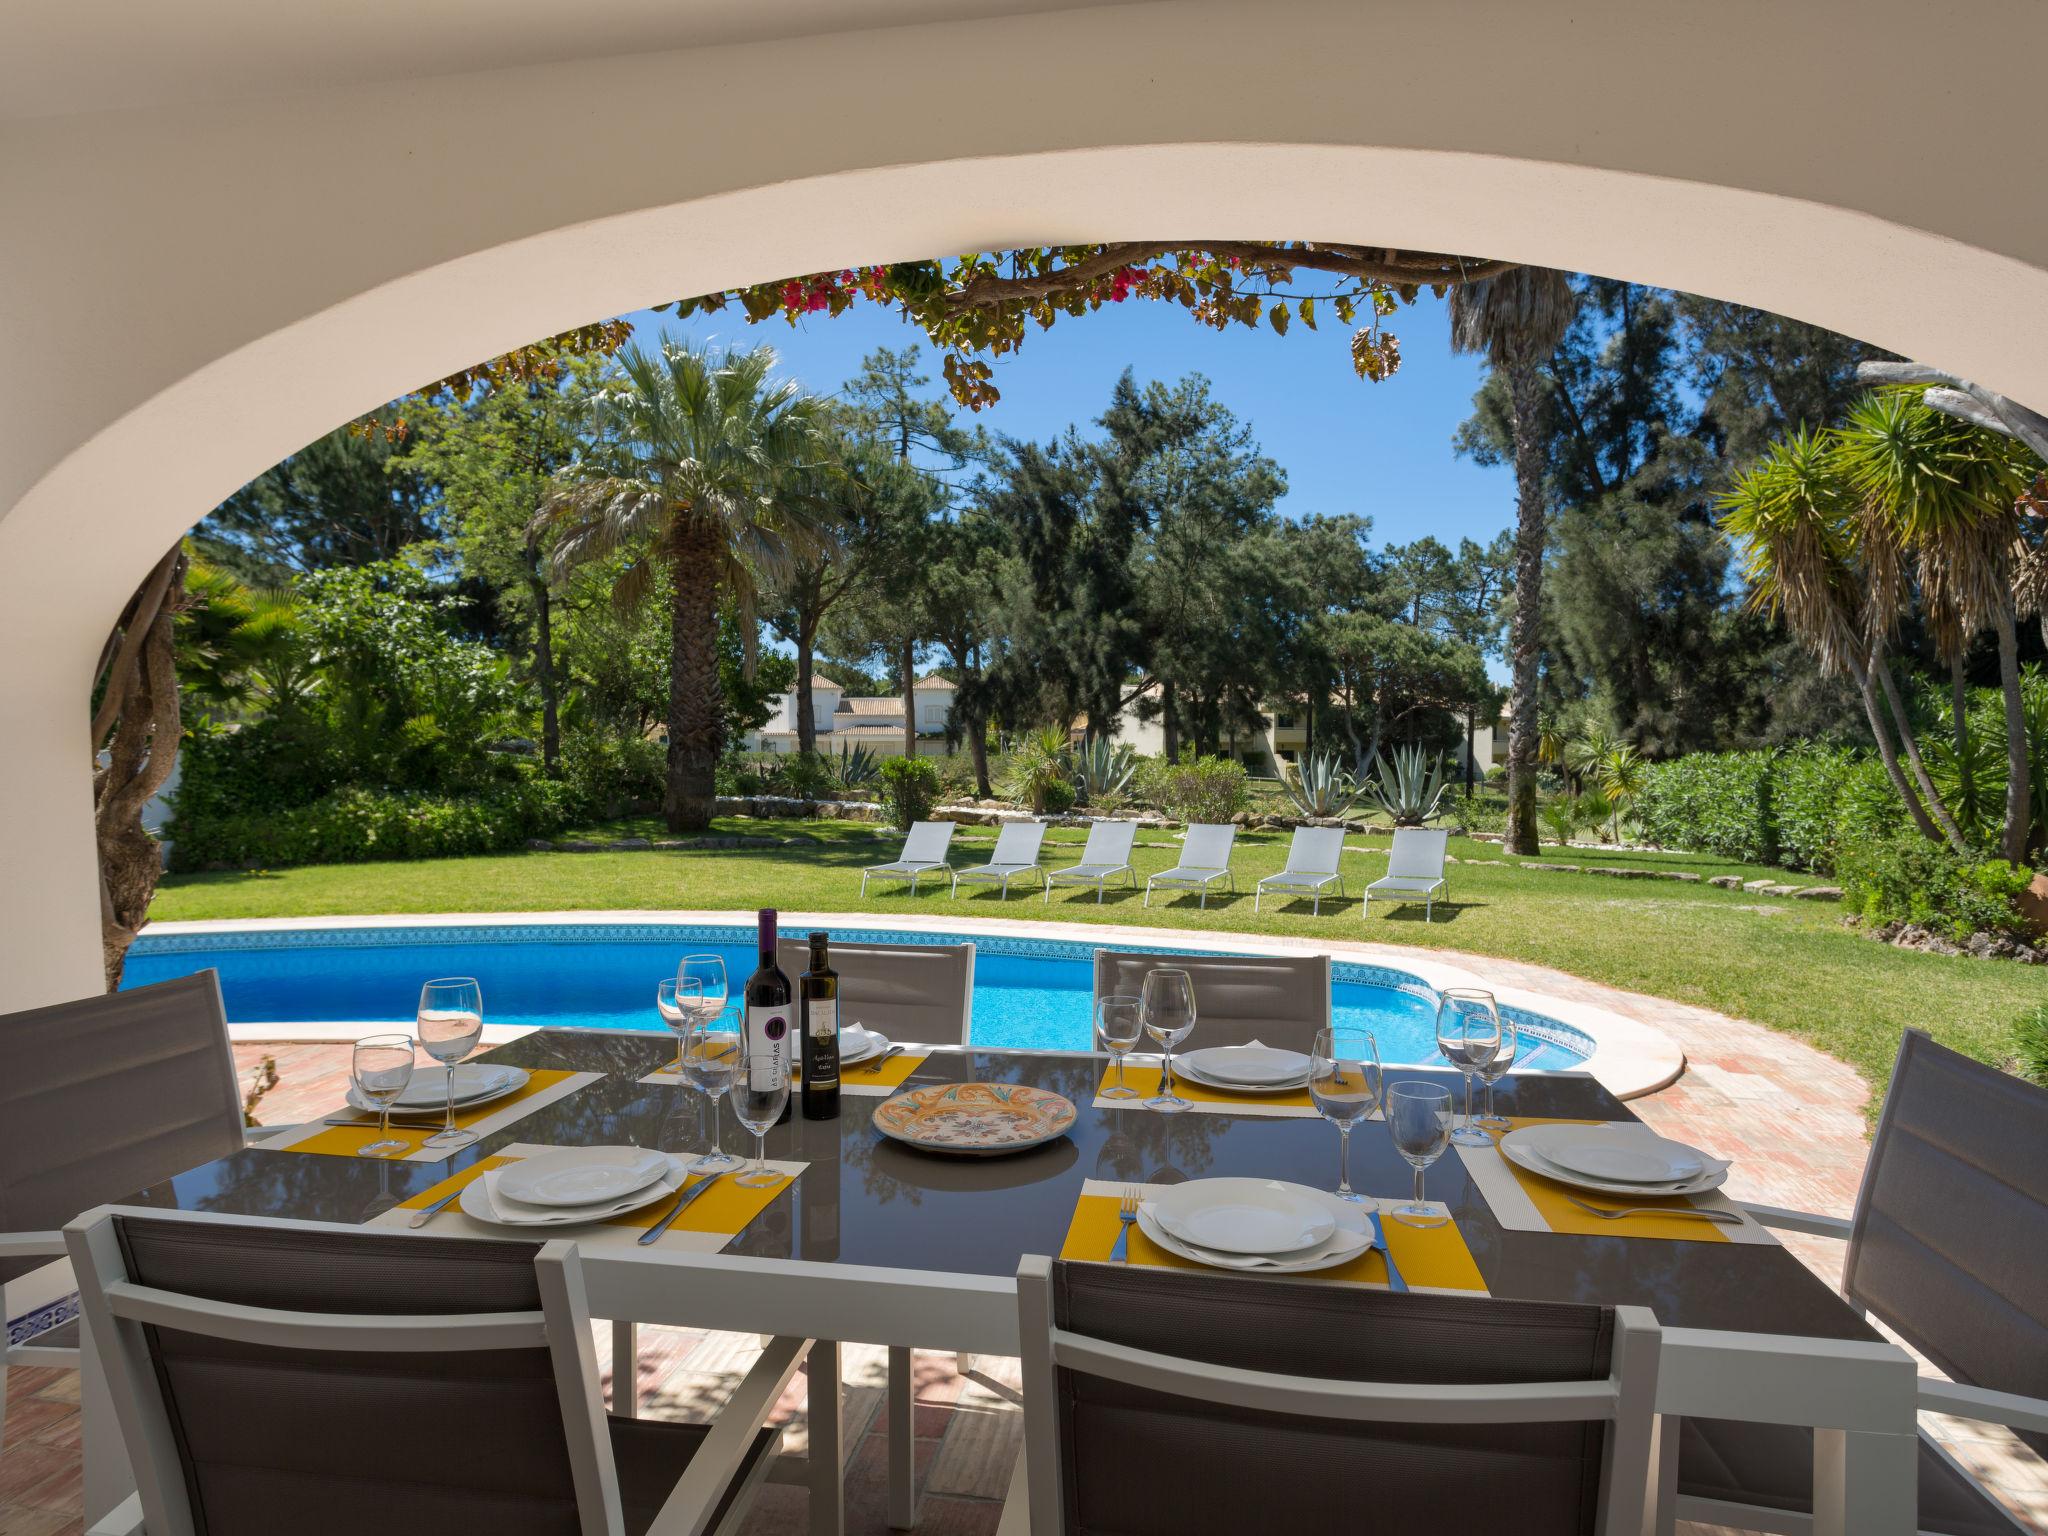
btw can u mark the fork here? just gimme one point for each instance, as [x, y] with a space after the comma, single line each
[1606, 1213]
[1126, 1215]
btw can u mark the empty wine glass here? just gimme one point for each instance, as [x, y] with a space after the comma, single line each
[450, 1021]
[680, 1002]
[1468, 1034]
[1419, 1117]
[1496, 1068]
[1344, 1085]
[708, 971]
[760, 1093]
[1120, 1021]
[381, 1067]
[710, 1053]
[1168, 1005]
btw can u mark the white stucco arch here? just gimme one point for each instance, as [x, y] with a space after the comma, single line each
[197, 287]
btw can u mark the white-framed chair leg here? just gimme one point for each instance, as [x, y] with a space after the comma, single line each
[1663, 1501]
[901, 1408]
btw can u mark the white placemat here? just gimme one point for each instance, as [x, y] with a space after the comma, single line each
[1514, 1210]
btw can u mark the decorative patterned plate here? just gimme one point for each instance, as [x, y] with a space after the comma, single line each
[975, 1119]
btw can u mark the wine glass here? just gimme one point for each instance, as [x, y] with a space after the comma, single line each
[760, 1093]
[1169, 1011]
[450, 1021]
[380, 1068]
[1120, 1021]
[1419, 1116]
[1344, 1086]
[680, 1002]
[708, 971]
[710, 1050]
[1468, 1034]
[1496, 1068]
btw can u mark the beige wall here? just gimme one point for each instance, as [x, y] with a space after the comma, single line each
[226, 229]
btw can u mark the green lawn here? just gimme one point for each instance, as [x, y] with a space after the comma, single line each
[1788, 964]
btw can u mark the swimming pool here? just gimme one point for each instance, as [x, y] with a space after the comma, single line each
[1028, 993]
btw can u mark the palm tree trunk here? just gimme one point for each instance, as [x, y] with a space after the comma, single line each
[1959, 705]
[977, 749]
[696, 713]
[2019, 818]
[1880, 664]
[1888, 752]
[909, 698]
[1169, 722]
[544, 663]
[1525, 639]
[806, 721]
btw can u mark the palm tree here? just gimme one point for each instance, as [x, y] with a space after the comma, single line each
[690, 473]
[1516, 319]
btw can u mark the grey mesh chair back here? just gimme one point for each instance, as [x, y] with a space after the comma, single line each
[107, 1095]
[915, 992]
[1163, 1403]
[1278, 1000]
[1949, 1245]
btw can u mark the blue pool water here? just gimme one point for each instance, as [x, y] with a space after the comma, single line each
[1028, 993]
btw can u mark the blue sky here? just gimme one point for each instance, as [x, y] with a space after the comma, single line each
[1347, 445]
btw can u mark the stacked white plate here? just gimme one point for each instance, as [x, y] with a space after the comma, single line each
[1260, 1224]
[571, 1185]
[858, 1044]
[1245, 1068]
[1613, 1159]
[427, 1094]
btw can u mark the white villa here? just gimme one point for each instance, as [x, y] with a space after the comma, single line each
[874, 723]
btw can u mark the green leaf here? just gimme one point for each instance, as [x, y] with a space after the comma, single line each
[1308, 313]
[1278, 316]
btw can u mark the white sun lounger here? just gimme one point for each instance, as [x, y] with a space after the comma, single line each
[1313, 866]
[1415, 867]
[1204, 859]
[1107, 855]
[1016, 856]
[924, 851]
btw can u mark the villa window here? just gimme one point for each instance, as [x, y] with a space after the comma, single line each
[935, 715]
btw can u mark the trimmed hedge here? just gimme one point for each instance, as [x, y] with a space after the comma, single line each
[352, 826]
[1800, 808]
[1907, 879]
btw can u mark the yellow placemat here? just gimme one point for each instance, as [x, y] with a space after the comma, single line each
[1430, 1258]
[1145, 1080]
[882, 1074]
[543, 1086]
[721, 1212]
[1552, 1201]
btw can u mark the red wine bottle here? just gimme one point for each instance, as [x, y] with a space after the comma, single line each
[768, 1012]
[817, 991]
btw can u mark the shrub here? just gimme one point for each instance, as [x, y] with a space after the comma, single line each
[604, 775]
[1057, 797]
[1711, 802]
[1825, 799]
[354, 825]
[2030, 1041]
[1207, 789]
[910, 788]
[808, 775]
[1905, 878]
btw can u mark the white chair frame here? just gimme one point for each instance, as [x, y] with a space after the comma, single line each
[1099, 869]
[905, 867]
[118, 1311]
[1199, 877]
[1001, 871]
[1408, 886]
[1310, 881]
[1625, 1400]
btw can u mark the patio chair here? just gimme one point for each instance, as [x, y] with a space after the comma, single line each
[1415, 867]
[1314, 864]
[924, 852]
[923, 993]
[1204, 859]
[100, 1098]
[1160, 1403]
[328, 1381]
[1946, 1247]
[1016, 857]
[1107, 855]
[1277, 1000]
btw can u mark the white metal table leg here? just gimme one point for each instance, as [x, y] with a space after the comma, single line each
[828, 1440]
[1865, 1484]
[109, 1479]
[902, 1409]
[625, 1369]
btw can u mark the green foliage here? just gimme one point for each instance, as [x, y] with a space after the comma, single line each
[603, 775]
[1560, 815]
[1320, 786]
[1908, 879]
[910, 788]
[1827, 798]
[1102, 769]
[1057, 797]
[1409, 787]
[857, 767]
[351, 826]
[1711, 803]
[1041, 764]
[2030, 1044]
[809, 775]
[1200, 789]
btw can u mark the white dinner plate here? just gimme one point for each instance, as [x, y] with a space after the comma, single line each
[1524, 1155]
[857, 1045]
[1352, 1234]
[1250, 1090]
[581, 1175]
[1261, 1216]
[482, 1199]
[1248, 1066]
[427, 1094]
[1622, 1159]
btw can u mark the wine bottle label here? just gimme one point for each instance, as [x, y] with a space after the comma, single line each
[767, 1031]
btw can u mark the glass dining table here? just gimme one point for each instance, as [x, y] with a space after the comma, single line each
[878, 1243]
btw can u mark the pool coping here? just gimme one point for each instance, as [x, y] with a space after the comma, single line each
[1630, 1058]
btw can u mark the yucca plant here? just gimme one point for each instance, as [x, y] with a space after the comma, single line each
[1041, 773]
[857, 767]
[1561, 816]
[1319, 786]
[1101, 769]
[1409, 786]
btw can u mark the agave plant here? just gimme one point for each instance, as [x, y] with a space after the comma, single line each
[1101, 768]
[1409, 787]
[1320, 787]
[857, 767]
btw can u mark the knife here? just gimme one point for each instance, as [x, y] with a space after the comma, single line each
[427, 1213]
[1379, 1241]
[676, 1210]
